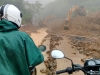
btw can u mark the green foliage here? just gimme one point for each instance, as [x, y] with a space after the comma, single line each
[29, 10]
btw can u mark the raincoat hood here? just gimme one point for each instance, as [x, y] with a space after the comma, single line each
[6, 25]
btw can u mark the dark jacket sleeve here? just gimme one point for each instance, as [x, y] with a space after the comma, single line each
[33, 55]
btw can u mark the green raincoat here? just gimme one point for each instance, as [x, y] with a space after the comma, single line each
[17, 51]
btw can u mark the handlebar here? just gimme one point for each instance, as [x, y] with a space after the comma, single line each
[61, 71]
[71, 70]
[91, 66]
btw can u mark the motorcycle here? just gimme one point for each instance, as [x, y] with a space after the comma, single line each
[90, 67]
[33, 70]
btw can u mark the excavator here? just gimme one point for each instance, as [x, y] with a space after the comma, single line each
[70, 12]
[75, 10]
[79, 10]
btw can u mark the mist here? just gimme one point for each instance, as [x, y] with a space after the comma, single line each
[43, 2]
[61, 7]
[44, 8]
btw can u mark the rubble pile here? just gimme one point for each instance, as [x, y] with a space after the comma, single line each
[51, 64]
[89, 47]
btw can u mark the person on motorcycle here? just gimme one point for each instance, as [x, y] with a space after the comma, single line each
[17, 49]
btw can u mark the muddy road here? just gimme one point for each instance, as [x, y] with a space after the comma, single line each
[64, 45]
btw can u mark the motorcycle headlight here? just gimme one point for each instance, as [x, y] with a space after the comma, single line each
[91, 63]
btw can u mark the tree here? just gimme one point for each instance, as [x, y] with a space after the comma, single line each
[28, 10]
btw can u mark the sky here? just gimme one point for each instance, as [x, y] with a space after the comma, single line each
[43, 2]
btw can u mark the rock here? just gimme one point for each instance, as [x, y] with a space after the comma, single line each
[80, 51]
[43, 71]
[52, 69]
[51, 64]
[87, 54]
[72, 47]
[47, 65]
[53, 73]
[74, 53]
[83, 59]
[79, 48]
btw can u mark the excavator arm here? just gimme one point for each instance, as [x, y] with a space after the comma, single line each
[70, 12]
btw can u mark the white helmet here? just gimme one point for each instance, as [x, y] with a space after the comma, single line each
[11, 13]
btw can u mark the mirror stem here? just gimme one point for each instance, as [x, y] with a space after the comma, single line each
[71, 62]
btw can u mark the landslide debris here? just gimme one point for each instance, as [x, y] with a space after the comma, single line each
[50, 63]
[87, 46]
[83, 31]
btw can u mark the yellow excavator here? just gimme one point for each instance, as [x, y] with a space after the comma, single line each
[76, 10]
[70, 12]
[79, 10]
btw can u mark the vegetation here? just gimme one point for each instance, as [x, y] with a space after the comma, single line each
[29, 10]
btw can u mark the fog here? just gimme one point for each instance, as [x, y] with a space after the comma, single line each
[43, 2]
[61, 7]
[46, 8]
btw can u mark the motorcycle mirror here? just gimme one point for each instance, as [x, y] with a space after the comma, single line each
[42, 48]
[57, 54]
